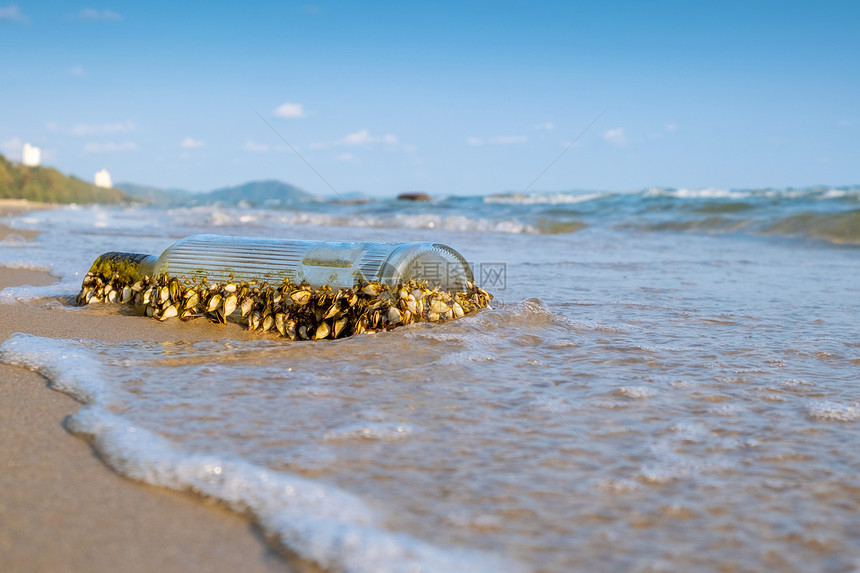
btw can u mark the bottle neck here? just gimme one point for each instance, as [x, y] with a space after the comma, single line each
[131, 266]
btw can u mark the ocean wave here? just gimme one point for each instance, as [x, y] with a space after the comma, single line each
[707, 193]
[544, 198]
[808, 193]
[471, 337]
[636, 392]
[827, 410]
[477, 338]
[309, 519]
[817, 213]
[824, 213]
[708, 224]
[530, 314]
[217, 217]
[839, 228]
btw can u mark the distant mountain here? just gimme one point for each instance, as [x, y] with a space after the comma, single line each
[258, 193]
[270, 192]
[50, 186]
[156, 196]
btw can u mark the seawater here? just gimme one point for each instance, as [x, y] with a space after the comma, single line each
[667, 380]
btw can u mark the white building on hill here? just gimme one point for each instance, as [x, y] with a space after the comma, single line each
[31, 156]
[103, 179]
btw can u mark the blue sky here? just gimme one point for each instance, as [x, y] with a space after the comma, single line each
[447, 98]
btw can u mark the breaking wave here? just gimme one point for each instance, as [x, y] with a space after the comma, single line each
[840, 228]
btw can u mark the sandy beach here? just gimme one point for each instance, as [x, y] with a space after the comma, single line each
[61, 508]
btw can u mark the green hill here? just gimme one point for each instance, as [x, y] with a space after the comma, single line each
[48, 185]
[270, 193]
[155, 195]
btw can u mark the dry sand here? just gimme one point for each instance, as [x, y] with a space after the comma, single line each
[61, 508]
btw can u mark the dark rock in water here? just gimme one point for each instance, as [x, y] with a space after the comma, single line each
[414, 197]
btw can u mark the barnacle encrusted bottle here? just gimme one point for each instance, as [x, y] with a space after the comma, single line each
[303, 290]
[221, 259]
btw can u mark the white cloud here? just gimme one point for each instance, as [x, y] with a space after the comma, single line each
[357, 138]
[255, 147]
[12, 12]
[290, 110]
[90, 14]
[76, 71]
[109, 146]
[118, 127]
[52, 126]
[363, 137]
[546, 125]
[670, 127]
[498, 140]
[348, 157]
[12, 148]
[615, 137]
[191, 143]
[508, 139]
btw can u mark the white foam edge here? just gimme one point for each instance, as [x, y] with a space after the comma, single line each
[311, 520]
[828, 410]
[18, 264]
[544, 198]
[26, 293]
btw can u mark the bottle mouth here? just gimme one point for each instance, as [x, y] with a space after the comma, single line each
[437, 264]
[130, 266]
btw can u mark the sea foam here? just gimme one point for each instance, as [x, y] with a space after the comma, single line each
[828, 410]
[309, 519]
[64, 288]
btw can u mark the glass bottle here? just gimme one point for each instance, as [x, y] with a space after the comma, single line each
[220, 259]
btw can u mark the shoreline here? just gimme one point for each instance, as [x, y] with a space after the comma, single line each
[14, 207]
[61, 508]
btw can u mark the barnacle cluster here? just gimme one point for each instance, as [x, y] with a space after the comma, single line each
[298, 312]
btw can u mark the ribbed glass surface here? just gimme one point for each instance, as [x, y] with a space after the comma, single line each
[338, 264]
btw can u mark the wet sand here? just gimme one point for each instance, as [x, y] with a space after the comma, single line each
[13, 207]
[61, 509]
